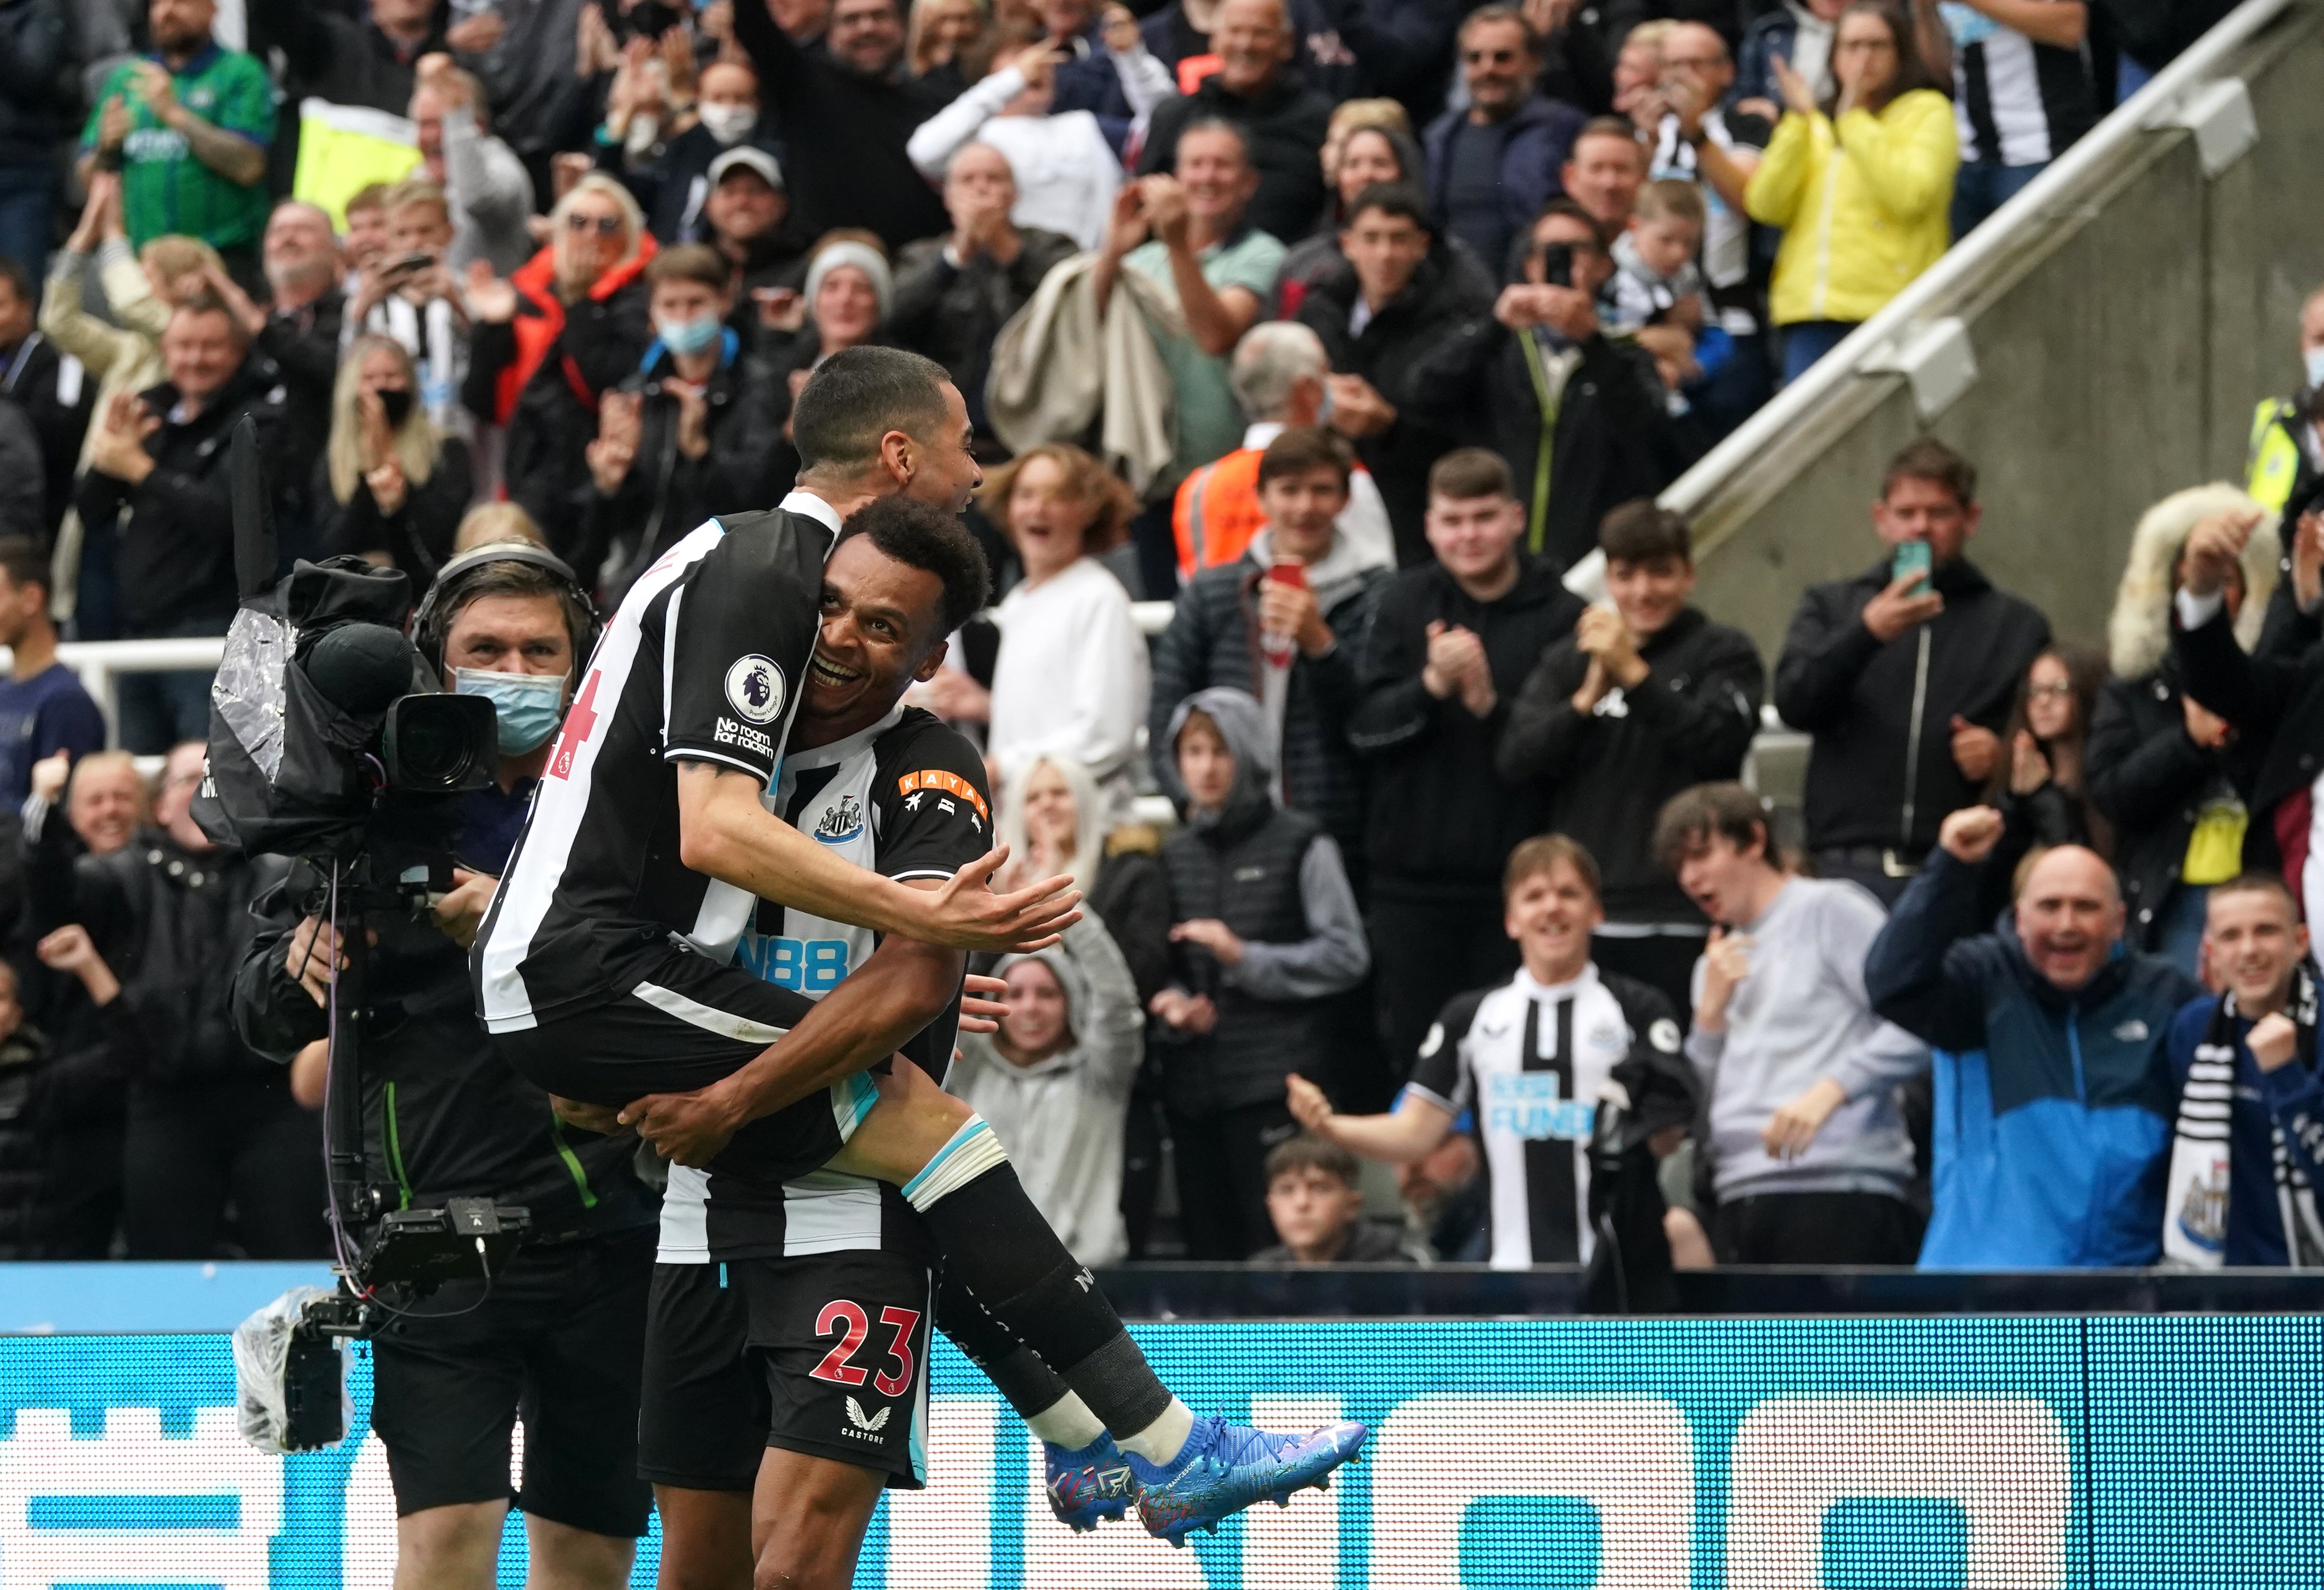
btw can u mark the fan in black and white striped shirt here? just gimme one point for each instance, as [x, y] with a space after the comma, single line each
[2022, 93]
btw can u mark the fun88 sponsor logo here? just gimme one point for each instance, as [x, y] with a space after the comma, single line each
[804, 966]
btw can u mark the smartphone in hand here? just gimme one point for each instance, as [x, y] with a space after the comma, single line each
[1911, 561]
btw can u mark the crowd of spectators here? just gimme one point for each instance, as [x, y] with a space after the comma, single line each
[1349, 329]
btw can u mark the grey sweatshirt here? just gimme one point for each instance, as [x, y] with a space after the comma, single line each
[1061, 1118]
[491, 197]
[1800, 1016]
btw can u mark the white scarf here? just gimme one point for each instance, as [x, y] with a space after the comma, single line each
[2195, 1202]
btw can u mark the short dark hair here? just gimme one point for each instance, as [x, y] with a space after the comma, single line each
[924, 537]
[1608, 127]
[858, 395]
[13, 272]
[1394, 198]
[2260, 883]
[1301, 448]
[1930, 459]
[1499, 13]
[1308, 1151]
[23, 562]
[691, 262]
[1562, 206]
[1466, 474]
[1695, 816]
[1640, 530]
[510, 576]
[1214, 125]
[1545, 851]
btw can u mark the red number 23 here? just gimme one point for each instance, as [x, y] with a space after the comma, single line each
[838, 1314]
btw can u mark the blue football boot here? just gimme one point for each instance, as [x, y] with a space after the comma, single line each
[1225, 1467]
[1090, 1486]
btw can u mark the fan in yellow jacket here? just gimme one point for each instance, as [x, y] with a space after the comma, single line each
[1861, 190]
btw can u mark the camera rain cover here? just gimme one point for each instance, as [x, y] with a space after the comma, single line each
[287, 766]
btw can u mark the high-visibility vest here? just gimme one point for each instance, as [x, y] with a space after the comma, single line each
[2274, 454]
[1217, 512]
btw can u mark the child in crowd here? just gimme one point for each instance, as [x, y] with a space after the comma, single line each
[1655, 281]
[1318, 1210]
[1267, 930]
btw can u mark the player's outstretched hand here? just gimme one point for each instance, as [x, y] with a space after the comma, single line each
[600, 1118]
[967, 914]
[982, 1004]
[686, 1128]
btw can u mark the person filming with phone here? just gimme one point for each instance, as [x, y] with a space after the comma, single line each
[1905, 675]
[1581, 417]
[1284, 622]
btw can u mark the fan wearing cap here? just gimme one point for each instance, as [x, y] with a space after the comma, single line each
[746, 215]
[561, 1331]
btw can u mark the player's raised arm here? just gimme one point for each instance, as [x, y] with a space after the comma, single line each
[726, 831]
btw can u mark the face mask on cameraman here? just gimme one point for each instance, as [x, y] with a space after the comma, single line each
[527, 706]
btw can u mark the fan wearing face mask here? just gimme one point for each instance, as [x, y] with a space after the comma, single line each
[672, 176]
[688, 436]
[392, 486]
[560, 1330]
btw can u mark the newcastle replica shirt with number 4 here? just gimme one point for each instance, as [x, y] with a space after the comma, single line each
[1533, 1060]
[702, 662]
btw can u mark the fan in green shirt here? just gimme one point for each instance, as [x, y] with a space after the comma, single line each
[189, 125]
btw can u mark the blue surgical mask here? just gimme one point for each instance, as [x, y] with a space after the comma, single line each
[2314, 359]
[689, 336]
[527, 706]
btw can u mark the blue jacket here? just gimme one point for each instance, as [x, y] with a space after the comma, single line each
[1535, 142]
[2291, 1096]
[2053, 1110]
[1769, 35]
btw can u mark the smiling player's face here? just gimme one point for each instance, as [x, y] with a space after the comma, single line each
[881, 631]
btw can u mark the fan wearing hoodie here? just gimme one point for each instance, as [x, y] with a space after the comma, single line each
[1054, 1082]
[1266, 933]
[1285, 622]
[1451, 643]
[1642, 702]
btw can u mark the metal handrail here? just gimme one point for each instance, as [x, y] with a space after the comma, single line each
[1890, 328]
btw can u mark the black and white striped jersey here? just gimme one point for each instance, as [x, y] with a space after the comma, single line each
[2015, 103]
[1532, 1061]
[904, 798]
[703, 660]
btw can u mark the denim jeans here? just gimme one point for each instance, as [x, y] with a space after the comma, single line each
[1983, 186]
[159, 710]
[27, 197]
[1807, 341]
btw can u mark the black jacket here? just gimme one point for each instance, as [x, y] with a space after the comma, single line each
[1132, 896]
[1439, 818]
[1604, 776]
[444, 1116]
[1285, 124]
[2275, 698]
[174, 557]
[1614, 440]
[1212, 640]
[1441, 302]
[1870, 782]
[171, 923]
[546, 468]
[952, 313]
[844, 134]
[23, 495]
[667, 495]
[31, 377]
[2151, 781]
[33, 56]
[418, 535]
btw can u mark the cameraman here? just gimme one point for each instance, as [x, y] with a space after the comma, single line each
[558, 1336]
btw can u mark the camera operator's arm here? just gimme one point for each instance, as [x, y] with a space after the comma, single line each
[279, 1002]
[726, 831]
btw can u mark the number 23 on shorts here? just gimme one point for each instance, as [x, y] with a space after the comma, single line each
[840, 1315]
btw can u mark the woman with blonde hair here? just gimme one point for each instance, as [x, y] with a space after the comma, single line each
[542, 374]
[1071, 678]
[393, 487]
